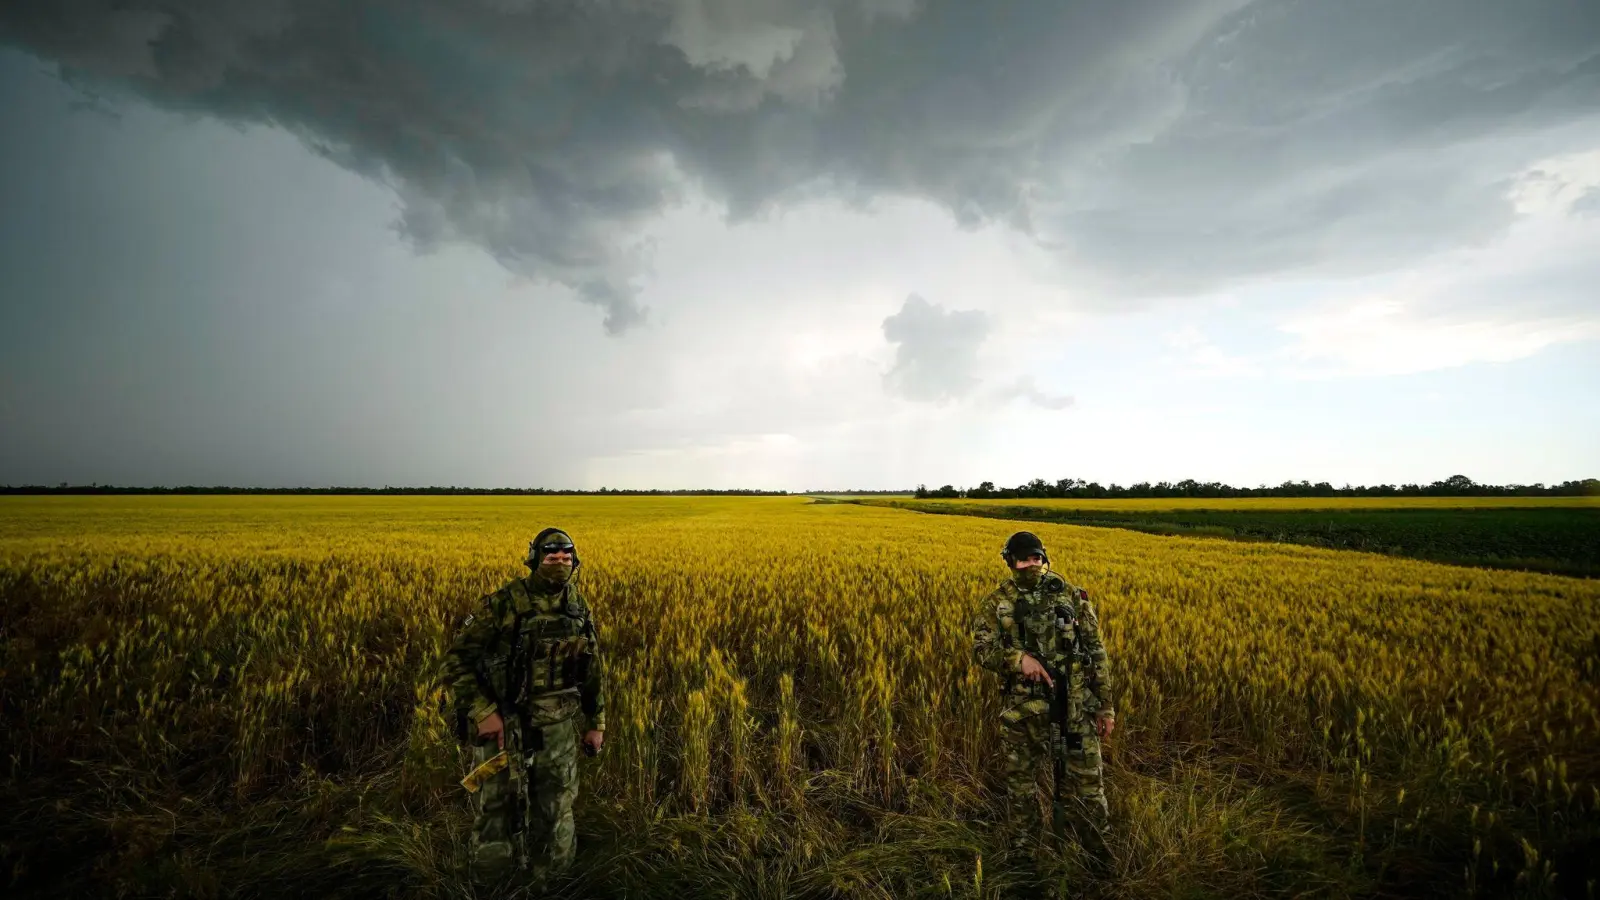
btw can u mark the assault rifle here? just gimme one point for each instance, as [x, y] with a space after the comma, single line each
[1062, 716]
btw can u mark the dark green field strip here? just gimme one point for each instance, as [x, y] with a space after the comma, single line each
[1562, 541]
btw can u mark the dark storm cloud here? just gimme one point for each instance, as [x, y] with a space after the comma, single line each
[1164, 145]
[936, 350]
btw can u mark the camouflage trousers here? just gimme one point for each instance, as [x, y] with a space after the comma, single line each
[1073, 769]
[524, 812]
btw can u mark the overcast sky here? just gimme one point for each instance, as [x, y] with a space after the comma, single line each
[798, 244]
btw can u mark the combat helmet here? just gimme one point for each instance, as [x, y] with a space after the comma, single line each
[1021, 545]
[547, 538]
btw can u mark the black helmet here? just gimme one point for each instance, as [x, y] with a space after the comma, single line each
[1022, 545]
[548, 541]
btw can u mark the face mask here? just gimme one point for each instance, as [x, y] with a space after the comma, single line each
[555, 573]
[1029, 576]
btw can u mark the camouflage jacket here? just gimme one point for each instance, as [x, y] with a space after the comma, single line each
[1054, 623]
[531, 653]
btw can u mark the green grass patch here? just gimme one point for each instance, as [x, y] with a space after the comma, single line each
[1555, 540]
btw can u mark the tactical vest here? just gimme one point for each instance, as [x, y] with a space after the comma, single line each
[541, 645]
[1043, 623]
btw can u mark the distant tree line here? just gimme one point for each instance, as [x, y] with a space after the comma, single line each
[1454, 486]
[1038, 488]
[64, 488]
[861, 491]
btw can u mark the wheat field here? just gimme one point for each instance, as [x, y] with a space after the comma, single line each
[218, 696]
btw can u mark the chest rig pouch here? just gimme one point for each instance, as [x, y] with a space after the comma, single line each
[1064, 619]
[548, 647]
[1044, 626]
[556, 645]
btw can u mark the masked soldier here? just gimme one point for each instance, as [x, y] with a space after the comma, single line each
[1041, 636]
[526, 673]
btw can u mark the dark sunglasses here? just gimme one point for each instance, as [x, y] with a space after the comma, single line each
[556, 548]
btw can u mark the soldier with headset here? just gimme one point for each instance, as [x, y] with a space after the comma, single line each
[526, 675]
[1041, 636]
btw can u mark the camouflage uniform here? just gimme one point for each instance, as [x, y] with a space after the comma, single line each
[531, 654]
[1054, 623]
